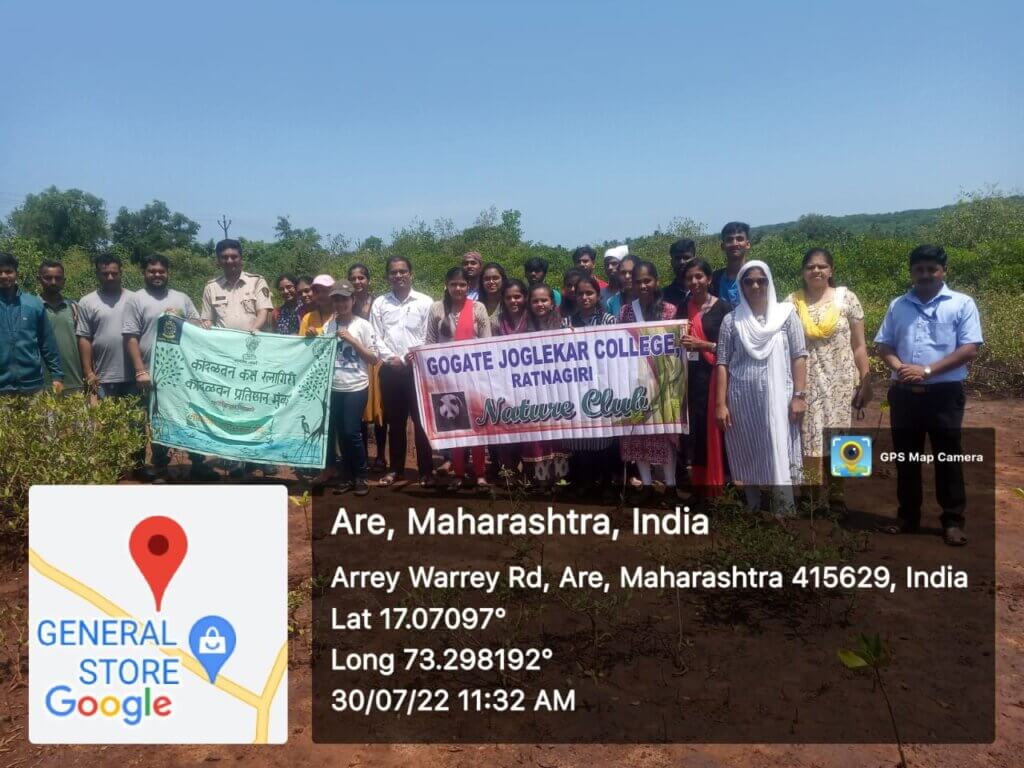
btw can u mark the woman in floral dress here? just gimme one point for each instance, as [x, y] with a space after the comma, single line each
[837, 364]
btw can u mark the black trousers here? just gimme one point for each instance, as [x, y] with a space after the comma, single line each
[938, 412]
[398, 397]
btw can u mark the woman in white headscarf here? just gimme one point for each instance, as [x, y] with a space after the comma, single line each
[762, 367]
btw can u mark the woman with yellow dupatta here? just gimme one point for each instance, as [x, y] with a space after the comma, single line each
[838, 377]
[362, 300]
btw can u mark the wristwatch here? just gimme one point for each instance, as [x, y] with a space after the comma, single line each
[927, 371]
[801, 394]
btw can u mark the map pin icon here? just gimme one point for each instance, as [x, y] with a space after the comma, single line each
[212, 640]
[158, 545]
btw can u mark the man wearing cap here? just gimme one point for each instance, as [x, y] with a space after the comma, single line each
[612, 258]
[237, 300]
[320, 309]
[356, 353]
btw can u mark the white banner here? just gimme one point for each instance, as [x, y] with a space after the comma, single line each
[598, 381]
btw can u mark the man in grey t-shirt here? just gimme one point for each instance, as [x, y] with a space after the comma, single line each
[141, 313]
[105, 364]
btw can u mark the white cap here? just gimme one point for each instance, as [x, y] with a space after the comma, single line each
[325, 280]
[618, 252]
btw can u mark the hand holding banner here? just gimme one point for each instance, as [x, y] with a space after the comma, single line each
[598, 381]
[257, 397]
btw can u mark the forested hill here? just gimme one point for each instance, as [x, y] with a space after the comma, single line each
[904, 224]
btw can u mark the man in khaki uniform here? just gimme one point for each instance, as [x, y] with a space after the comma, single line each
[240, 301]
[237, 299]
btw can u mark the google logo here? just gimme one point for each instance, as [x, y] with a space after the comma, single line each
[132, 708]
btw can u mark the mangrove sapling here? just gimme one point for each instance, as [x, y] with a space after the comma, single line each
[304, 502]
[871, 654]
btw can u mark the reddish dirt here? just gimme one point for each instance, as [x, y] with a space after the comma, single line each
[1006, 416]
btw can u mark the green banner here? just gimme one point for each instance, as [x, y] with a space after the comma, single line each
[257, 397]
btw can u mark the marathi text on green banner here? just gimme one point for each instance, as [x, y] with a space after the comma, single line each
[251, 397]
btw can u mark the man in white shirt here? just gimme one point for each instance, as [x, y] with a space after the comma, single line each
[399, 321]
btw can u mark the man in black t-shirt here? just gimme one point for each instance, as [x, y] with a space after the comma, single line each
[681, 253]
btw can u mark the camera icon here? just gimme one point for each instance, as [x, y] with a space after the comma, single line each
[851, 456]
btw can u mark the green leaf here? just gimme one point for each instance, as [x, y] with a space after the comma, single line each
[851, 659]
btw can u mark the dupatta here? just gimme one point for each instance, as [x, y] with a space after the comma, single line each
[465, 328]
[712, 474]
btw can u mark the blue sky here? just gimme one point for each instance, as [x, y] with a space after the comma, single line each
[597, 120]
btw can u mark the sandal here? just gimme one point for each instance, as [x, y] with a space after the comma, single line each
[427, 482]
[954, 536]
[388, 479]
[482, 486]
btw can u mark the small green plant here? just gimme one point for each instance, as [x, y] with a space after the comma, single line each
[744, 540]
[871, 654]
[304, 502]
[51, 440]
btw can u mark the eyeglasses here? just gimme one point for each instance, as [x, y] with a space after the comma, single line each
[754, 281]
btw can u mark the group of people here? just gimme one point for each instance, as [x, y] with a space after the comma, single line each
[765, 377]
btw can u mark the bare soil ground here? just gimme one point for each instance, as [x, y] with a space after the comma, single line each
[1006, 416]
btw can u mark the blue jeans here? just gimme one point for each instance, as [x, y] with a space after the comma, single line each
[346, 432]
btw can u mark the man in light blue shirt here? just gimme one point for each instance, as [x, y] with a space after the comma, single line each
[928, 338]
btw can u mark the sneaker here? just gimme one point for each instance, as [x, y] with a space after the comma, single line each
[362, 487]
[343, 487]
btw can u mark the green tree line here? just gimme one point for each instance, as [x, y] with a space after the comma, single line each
[983, 232]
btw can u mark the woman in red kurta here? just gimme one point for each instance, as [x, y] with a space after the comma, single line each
[459, 318]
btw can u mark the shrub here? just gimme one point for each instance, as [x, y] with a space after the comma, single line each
[50, 440]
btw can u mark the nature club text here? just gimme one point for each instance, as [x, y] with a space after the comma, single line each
[595, 403]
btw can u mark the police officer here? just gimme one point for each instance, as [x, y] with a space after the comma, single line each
[237, 299]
